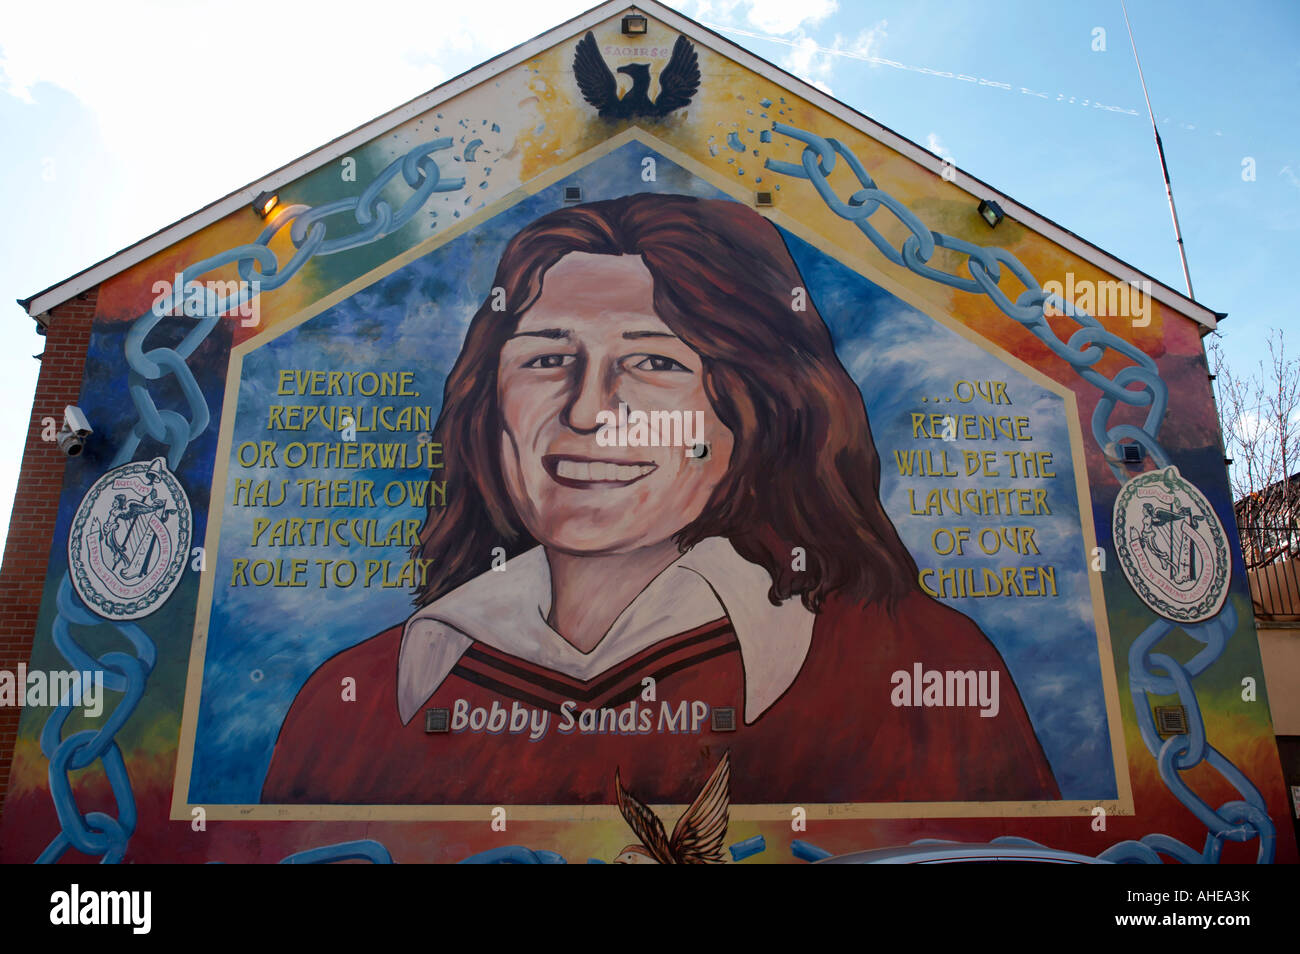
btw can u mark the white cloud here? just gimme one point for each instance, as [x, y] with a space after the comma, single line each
[771, 16]
[868, 41]
[780, 16]
[1251, 426]
[15, 85]
[241, 87]
[936, 146]
[814, 63]
[805, 62]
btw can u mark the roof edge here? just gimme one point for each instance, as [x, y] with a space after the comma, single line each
[39, 304]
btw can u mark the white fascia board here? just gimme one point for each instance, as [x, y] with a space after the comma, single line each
[40, 304]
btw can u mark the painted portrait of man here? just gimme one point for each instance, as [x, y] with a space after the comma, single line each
[594, 605]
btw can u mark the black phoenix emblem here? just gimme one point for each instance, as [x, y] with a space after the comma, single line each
[677, 83]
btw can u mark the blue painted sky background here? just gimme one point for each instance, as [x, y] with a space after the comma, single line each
[898, 355]
[107, 139]
[263, 642]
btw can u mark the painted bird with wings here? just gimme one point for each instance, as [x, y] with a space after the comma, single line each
[678, 81]
[699, 833]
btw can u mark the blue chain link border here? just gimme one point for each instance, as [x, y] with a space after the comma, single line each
[1235, 820]
[97, 833]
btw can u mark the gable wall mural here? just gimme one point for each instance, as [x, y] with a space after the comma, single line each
[549, 487]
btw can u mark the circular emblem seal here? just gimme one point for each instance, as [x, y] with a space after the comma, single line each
[130, 539]
[1172, 547]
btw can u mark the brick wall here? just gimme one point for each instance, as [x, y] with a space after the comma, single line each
[36, 503]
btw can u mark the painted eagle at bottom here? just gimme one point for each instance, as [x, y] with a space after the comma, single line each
[699, 833]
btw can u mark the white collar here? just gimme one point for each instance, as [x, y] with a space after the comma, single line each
[507, 609]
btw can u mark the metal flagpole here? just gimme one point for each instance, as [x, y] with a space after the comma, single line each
[1164, 168]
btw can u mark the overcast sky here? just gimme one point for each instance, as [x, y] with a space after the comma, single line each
[118, 119]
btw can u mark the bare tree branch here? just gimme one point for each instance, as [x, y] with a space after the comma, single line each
[1260, 413]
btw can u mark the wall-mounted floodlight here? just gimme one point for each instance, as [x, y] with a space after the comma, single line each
[635, 25]
[991, 212]
[265, 202]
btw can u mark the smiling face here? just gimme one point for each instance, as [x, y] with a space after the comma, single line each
[591, 341]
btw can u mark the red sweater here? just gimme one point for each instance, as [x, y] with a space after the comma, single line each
[834, 736]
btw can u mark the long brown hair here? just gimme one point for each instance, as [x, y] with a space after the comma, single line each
[804, 471]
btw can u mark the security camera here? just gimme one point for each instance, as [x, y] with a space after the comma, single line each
[68, 441]
[75, 421]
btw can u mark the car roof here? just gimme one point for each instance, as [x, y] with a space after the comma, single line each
[951, 852]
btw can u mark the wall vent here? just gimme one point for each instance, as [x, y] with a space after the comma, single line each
[437, 720]
[1171, 720]
[724, 719]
